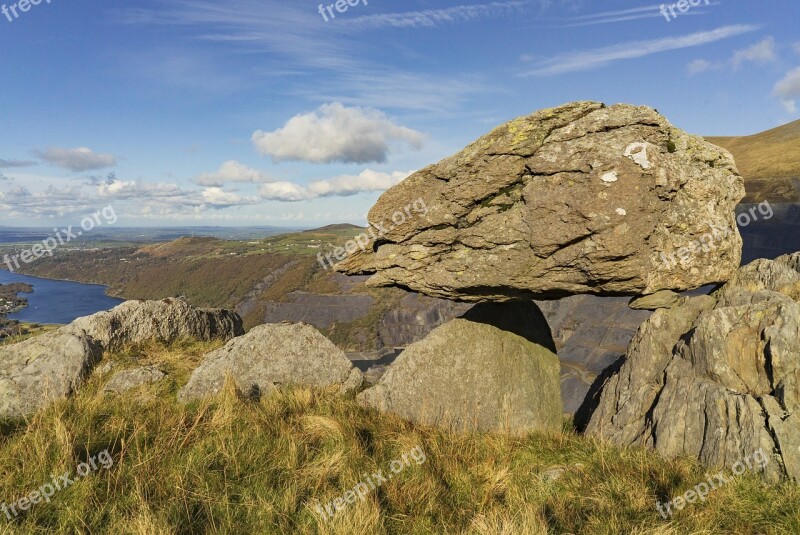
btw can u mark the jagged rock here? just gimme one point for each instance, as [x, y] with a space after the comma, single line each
[469, 375]
[163, 321]
[716, 378]
[130, 379]
[582, 198]
[43, 369]
[270, 356]
[662, 299]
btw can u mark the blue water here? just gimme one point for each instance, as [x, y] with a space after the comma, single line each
[58, 301]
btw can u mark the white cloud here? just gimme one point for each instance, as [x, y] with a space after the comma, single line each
[341, 186]
[788, 89]
[77, 160]
[430, 18]
[219, 198]
[584, 60]
[346, 185]
[232, 171]
[762, 52]
[698, 66]
[21, 202]
[335, 133]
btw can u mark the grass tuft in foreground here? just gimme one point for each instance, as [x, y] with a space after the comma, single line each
[230, 465]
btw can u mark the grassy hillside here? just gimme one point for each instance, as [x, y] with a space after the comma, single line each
[766, 160]
[232, 466]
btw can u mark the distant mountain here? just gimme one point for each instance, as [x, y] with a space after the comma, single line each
[769, 162]
[336, 227]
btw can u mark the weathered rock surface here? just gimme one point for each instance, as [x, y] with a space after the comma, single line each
[164, 321]
[270, 356]
[716, 378]
[579, 199]
[133, 378]
[43, 369]
[469, 375]
[662, 299]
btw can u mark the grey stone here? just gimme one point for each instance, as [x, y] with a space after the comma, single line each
[38, 371]
[163, 321]
[270, 356]
[133, 378]
[579, 199]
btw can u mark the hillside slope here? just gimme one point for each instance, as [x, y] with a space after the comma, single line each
[766, 161]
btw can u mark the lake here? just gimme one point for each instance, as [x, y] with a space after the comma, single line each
[55, 301]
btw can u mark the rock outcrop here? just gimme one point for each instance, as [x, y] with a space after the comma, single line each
[716, 377]
[163, 321]
[471, 375]
[270, 356]
[580, 199]
[43, 369]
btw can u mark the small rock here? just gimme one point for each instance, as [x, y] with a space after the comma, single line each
[662, 299]
[129, 379]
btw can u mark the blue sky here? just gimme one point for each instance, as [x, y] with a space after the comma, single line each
[260, 112]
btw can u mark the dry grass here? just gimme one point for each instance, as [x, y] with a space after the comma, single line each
[766, 160]
[230, 465]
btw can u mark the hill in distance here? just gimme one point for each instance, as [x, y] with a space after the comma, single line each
[769, 162]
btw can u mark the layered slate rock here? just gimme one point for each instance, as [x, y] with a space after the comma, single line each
[162, 321]
[38, 371]
[471, 375]
[270, 356]
[716, 378]
[579, 199]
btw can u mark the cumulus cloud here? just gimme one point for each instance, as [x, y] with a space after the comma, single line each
[761, 52]
[336, 133]
[20, 201]
[232, 171]
[788, 89]
[341, 186]
[77, 160]
[219, 198]
[8, 164]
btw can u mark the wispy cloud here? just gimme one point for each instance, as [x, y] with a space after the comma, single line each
[625, 15]
[430, 18]
[589, 59]
[8, 164]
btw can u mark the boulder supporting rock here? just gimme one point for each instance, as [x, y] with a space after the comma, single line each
[470, 375]
[270, 356]
[716, 378]
[579, 199]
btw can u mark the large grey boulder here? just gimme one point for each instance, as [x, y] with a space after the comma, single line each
[470, 375]
[716, 378]
[270, 356]
[43, 369]
[163, 321]
[579, 199]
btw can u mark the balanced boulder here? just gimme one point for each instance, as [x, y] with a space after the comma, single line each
[43, 369]
[579, 199]
[162, 321]
[471, 375]
[716, 377]
[270, 356]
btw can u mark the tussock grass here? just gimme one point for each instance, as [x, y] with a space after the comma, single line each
[230, 465]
